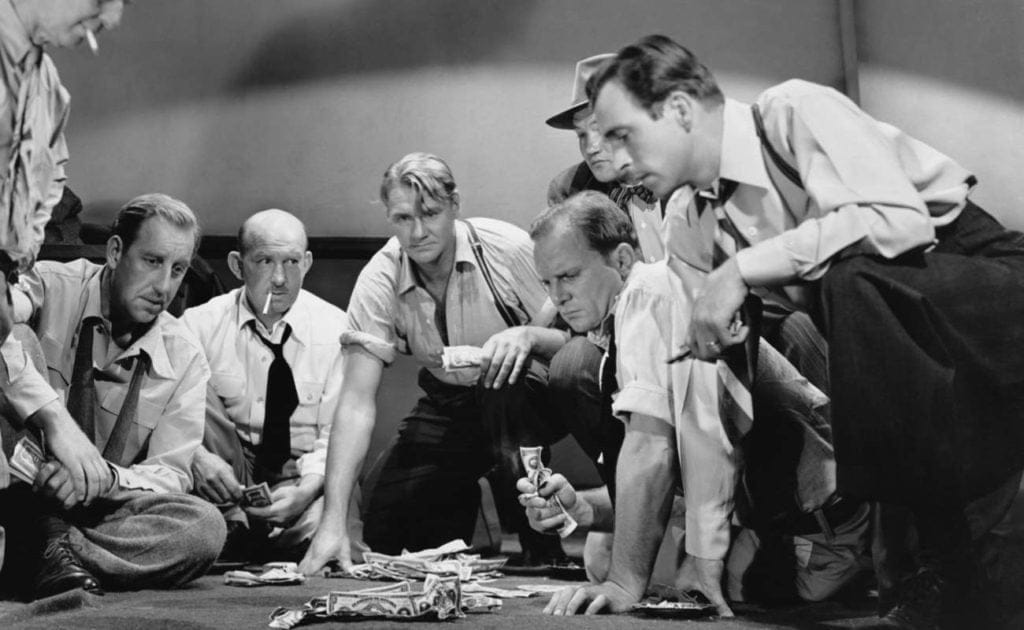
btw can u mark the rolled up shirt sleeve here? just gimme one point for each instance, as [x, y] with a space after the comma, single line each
[642, 326]
[855, 172]
[24, 390]
[372, 310]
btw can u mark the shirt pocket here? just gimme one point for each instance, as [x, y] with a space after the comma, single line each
[304, 419]
[56, 360]
[229, 387]
[147, 413]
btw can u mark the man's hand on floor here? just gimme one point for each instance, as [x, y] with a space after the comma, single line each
[700, 574]
[327, 545]
[590, 599]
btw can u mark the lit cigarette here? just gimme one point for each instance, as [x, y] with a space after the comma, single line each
[90, 39]
[266, 305]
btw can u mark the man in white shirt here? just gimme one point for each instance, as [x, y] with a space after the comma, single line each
[687, 422]
[874, 232]
[268, 421]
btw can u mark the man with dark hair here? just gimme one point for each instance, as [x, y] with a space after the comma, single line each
[134, 379]
[686, 423]
[276, 370]
[859, 223]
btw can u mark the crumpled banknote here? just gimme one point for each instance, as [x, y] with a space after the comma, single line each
[439, 598]
[448, 560]
[273, 573]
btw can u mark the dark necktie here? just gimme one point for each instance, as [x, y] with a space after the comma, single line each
[612, 430]
[114, 449]
[281, 401]
[736, 380]
[82, 393]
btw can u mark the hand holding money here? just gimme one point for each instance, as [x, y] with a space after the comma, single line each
[552, 511]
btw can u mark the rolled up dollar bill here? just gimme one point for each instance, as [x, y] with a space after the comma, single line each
[537, 473]
[26, 459]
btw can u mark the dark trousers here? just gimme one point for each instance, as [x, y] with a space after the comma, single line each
[927, 368]
[423, 490]
[575, 385]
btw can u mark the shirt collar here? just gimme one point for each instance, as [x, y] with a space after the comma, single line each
[742, 160]
[151, 342]
[463, 254]
[14, 37]
[297, 316]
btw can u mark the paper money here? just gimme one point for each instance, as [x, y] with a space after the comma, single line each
[460, 357]
[26, 459]
[537, 473]
[256, 496]
[448, 560]
[275, 573]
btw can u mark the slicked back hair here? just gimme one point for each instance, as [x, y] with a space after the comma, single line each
[132, 215]
[427, 175]
[594, 217]
[653, 68]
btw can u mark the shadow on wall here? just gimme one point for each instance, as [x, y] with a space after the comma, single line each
[370, 36]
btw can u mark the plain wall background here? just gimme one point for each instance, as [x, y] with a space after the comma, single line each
[239, 105]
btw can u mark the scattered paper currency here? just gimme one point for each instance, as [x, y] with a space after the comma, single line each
[476, 588]
[439, 598]
[26, 459]
[256, 496]
[274, 573]
[542, 588]
[448, 560]
[537, 473]
[460, 357]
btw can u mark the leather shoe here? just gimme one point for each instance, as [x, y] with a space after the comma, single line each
[60, 570]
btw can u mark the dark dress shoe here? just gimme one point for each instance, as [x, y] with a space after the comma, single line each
[60, 570]
[919, 604]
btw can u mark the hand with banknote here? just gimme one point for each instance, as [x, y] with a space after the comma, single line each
[77, 473]
[287, 503]
[215, 481]
[543, 513]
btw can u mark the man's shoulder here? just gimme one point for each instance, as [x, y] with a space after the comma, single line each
[213, 307]
[795, 92]
[648, 278]
[325, 317]
[79, 268]
[499, 233]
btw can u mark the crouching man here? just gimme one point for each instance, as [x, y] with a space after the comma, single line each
[686, 422]
[276, 373]
[134, 379]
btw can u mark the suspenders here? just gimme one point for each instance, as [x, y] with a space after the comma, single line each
[507, 314]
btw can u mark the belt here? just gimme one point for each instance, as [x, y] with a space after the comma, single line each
[827, 519]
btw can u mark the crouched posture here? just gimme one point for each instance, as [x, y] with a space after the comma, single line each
[133, 378]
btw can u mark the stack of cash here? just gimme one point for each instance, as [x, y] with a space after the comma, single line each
[448, 560]
[537, 473]
[272, 573]
[440, 598]
[26, 460]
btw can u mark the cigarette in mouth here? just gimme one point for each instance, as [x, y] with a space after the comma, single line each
[266, 305]
[90, 38]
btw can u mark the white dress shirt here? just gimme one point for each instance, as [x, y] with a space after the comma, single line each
[239, 363]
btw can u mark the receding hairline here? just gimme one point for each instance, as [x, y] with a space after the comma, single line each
[261, 224]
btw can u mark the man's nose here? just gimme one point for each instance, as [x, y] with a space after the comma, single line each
[277, 276]
[621, 161]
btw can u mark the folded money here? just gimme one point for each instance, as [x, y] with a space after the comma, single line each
[274, 573]
[460, 357]
[26, 460]
[439, 598]
[256, 496]
[537, 473]
[448, 560]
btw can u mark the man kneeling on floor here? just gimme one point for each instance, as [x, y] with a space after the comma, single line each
[134, 378]
[686, 423]
[276, 375]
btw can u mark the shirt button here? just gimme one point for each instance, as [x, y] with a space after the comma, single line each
[259, 401]
[643, 224]
[651, 259]
[309, 396]
[752, 231]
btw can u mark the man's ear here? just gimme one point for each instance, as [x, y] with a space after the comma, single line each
[115, 249]
[455, 202]
[680, 106]
[623, 258]
[307, 262]
[235, 265]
